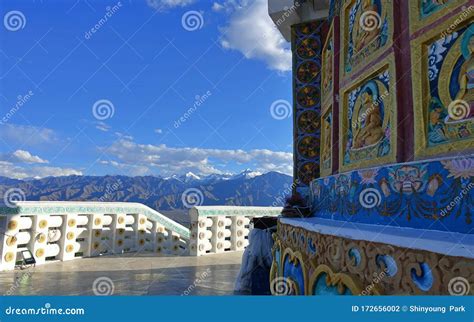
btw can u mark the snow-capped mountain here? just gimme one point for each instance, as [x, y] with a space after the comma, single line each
[248, 188]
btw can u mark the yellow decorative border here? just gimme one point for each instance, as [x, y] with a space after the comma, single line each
[275, 271]
[326, 171]
[389, 64]
[327, 96]
[420, 85]
[369, 277]
[335, 279]
[344, 39]
[416, 22]
[294, 257]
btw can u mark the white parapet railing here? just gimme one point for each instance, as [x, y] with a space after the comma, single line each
[62, 231]
[218, 229]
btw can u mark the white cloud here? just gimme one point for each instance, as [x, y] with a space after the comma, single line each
[164, 160]
[252, 32]
[217, 7]
[21, 164]
[27, 157]
[168, 4]
[102, 126]
[41, 172]
[27, 135]
[158, 131]
[10, 170]
[131, 169]
[124, 136]
[230, 6]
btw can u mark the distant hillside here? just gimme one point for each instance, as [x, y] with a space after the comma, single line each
[245, 189]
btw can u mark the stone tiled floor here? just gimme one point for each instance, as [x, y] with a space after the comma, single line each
[131, 274]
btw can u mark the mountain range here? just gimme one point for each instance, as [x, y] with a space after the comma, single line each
[173, 193]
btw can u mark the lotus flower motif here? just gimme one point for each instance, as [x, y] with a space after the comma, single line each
[459, 168]
[368, 175]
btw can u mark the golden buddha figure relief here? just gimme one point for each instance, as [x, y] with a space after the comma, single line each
[366, 129]
[450, 85]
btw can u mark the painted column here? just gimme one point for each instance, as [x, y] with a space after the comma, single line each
[306, 46]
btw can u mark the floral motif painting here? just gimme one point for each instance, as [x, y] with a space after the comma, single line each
[437, 194]
[307, 96]
[367, 28]
[308, 122]
[307, 48]
[450, 71]
[307, 172]
[367, 119]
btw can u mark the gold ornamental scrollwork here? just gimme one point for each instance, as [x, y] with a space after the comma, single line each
[367, 268]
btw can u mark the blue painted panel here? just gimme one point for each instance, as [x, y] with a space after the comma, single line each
[435, 194]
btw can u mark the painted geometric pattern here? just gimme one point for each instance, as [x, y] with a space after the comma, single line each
[307, 105]
[436, 194]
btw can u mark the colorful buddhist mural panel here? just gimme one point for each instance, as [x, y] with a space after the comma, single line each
[368, 116]
[444, 94]
[367, 30]
[326, 142]
[436, 194]
[327, 81]
[425, 12]
[307, 46]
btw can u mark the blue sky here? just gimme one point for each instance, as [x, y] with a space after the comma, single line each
[144, 67]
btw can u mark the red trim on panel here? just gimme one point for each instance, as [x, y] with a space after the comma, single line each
[405, 117]
[335, 99]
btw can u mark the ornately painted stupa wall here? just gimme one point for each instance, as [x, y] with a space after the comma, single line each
[384, 135]
[306, 45]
